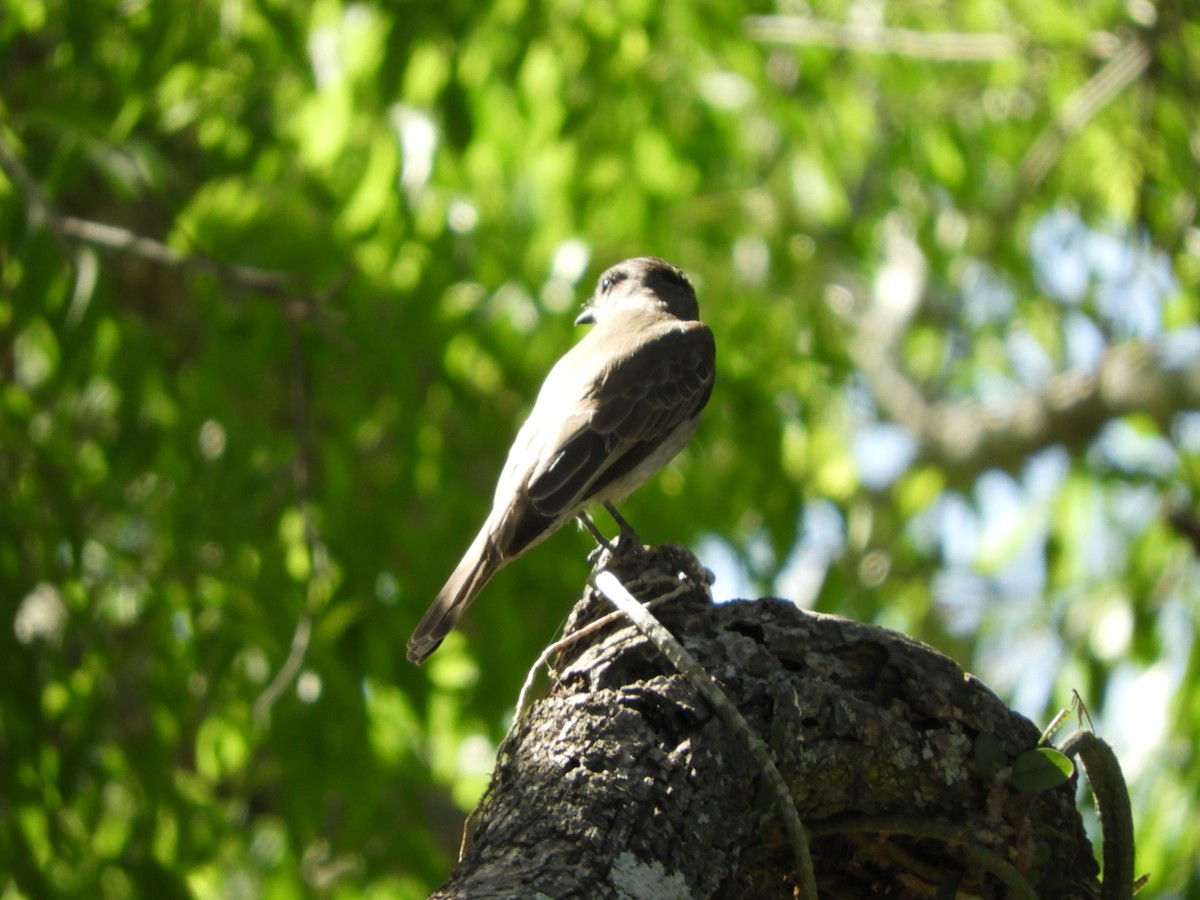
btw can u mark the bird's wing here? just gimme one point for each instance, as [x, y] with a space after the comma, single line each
[646, 390]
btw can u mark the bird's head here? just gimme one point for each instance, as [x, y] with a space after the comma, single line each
[642, 283]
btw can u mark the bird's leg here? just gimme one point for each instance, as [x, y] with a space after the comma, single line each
[628, 540]
[602, 543]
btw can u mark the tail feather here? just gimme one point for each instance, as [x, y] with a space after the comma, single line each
[477, 566]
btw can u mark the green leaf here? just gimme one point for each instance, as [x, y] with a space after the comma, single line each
[1041, 769]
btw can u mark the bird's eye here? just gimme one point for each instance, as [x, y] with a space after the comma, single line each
[605, 284]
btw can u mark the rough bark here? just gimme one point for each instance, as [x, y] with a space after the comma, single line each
[622, 782]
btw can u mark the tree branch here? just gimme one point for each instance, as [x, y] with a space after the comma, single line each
[964, 438]
[624, 782]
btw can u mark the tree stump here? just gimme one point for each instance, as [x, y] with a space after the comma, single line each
[622, 782]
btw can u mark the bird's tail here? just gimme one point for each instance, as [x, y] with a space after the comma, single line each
[478, 565]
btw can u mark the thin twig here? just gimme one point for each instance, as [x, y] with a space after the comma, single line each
[43, 212]
[1080, 108]
[113, 237]
[287, 672]
[568, 640]
[610, 586]
[67, 230]
[41, 209]
[937, 46]
[1112, 804]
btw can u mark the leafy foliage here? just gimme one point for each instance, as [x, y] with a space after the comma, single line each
[227, 493]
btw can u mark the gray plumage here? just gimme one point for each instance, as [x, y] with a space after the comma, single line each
[616, 408]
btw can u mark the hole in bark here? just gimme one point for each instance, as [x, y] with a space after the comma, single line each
[789, 664]
[749, 629]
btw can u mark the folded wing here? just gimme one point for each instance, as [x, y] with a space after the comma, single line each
[630, 409]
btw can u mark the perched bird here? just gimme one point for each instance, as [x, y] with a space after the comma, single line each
[614, 410]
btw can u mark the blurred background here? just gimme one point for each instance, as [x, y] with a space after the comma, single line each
[279, 281]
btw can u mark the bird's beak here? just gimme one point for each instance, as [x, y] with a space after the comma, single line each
[587, 317]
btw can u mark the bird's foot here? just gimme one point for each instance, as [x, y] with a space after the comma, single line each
[627, 541]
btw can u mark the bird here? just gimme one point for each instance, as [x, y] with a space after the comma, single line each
[619, 405]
